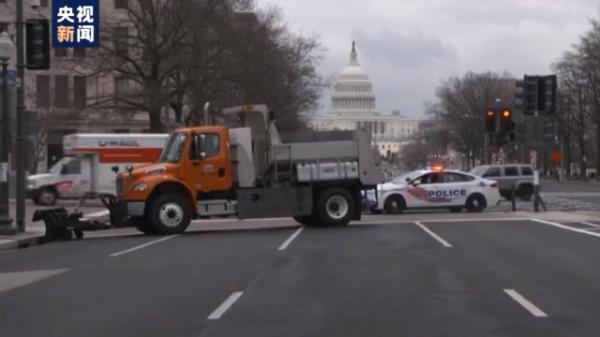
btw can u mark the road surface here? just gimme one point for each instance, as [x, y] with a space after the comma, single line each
[387, 276]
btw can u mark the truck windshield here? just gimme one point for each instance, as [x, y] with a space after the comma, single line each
[173, 149]
[57, 167]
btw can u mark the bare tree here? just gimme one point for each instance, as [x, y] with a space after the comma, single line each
[574, 102]
[181, 54]
[589, 54]
[145, 48]
[269, 64]
[462, 102]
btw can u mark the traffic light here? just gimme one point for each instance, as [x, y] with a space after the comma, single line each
[536, 94]
[505, 120]
[546, 94]
[38, 44]
[526, 95]
[491, 121]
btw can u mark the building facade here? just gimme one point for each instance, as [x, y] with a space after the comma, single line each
[68, 96]
[353, 106]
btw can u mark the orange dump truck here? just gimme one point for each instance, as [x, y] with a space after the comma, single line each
[242, 168]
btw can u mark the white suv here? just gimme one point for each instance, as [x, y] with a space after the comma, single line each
[519, 175]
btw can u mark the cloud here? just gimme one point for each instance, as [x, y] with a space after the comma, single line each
[409, 46]
[402, 50]
[516, 12]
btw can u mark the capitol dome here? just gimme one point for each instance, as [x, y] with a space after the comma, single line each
[353, 90]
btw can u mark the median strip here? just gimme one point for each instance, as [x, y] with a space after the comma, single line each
[290, 239]
[142, 246]
[221, 309]
[433, 235]
[532, 308]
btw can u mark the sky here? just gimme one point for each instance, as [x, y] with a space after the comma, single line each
[409, 46]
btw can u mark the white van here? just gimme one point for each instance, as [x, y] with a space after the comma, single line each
[90, 165]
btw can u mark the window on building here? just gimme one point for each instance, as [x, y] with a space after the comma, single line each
[60, 52]
[3, 25]
[121, 88]
[42, 90]
[121, 41]
[121, 131]
[80, 91]
[121, 4]
[61, 91]
[79, 52]
[43, 3]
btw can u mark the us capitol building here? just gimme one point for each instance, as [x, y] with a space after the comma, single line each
[353, 106]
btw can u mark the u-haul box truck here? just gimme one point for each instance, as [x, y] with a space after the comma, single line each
[90, 164]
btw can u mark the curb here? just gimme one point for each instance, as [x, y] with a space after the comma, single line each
[22, 242]
[40, 238]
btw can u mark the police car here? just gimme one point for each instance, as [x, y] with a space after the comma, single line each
[432, 188]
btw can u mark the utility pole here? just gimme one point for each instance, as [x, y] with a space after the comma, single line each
[486, 143]
[6, 50]
[21, 151]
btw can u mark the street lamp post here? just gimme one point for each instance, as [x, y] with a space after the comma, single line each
[6, 51]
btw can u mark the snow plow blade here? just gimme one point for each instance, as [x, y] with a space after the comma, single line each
[60, 225]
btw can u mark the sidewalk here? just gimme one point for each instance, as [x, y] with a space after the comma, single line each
[32, 237]
[35, 232]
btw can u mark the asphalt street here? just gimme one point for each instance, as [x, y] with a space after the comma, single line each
[387, 276]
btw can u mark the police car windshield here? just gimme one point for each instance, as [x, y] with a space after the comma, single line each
[173, 149]
[402, 179]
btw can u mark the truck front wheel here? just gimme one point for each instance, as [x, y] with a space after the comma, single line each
[170, 213]
[335, 207]
[47, 196]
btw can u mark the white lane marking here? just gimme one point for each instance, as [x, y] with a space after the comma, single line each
[290, 239]
[12, 280]
[532, 308]
[221, 309]
[142, 246]
[596, 227]
[234, 219]
[392, 221]
[573, 229]
[433, 235]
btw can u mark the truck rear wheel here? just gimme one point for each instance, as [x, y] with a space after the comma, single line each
[335, 207]
[170, 213]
